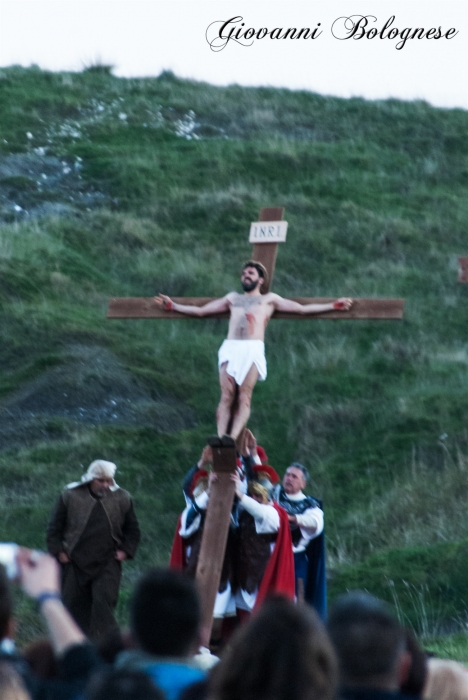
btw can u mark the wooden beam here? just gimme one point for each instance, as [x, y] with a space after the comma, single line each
[145, 307]
[361, 309]
[266, 252]
[463, 270]
[215, 534]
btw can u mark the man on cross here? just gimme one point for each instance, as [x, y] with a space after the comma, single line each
[242, 354]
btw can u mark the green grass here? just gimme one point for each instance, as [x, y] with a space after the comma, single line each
[450, 647]
[426, 584]
[375, 196]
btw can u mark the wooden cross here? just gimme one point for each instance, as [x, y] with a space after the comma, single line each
[222, 491]
[145, 307]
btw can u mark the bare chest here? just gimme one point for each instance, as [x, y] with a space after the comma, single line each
[249, 317]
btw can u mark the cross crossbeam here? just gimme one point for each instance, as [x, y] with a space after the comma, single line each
[145, 307]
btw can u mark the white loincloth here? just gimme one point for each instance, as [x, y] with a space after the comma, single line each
[240, 356]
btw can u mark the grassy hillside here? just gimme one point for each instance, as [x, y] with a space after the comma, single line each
[116, 187]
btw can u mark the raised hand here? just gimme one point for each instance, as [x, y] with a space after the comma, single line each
[343, 304]
[236, 479]
[164, 302]
[251, 441]
[39, 572]
[206, 457]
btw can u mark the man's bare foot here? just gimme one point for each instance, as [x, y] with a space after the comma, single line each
[224, 441]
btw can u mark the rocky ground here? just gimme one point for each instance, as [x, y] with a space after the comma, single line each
[90, 387]
[35, 184]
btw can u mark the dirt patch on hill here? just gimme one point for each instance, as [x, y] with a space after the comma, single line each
[36, 184]
[91, 387]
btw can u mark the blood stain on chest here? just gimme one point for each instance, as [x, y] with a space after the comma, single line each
[251, 321]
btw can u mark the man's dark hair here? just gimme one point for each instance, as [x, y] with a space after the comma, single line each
[298, 465]
[258, 266]
[123, 685]
[368, 639]
[165, 613]
[416, 679]
[283, 653]
[6, 603]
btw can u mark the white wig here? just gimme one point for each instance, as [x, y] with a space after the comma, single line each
[99, 469]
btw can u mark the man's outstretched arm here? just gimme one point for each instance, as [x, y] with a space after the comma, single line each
[40, 578]
[212, 307]
[290, 306]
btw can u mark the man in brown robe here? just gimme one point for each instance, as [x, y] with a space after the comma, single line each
[92, 530]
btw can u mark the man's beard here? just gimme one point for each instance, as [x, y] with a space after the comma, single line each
[250, 286]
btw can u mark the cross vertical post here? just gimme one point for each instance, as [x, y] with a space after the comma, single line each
[266, 252]
[215, 534]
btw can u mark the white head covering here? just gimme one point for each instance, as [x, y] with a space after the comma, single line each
[99, 469]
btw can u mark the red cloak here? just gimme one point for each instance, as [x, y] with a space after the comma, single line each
[279, 574]
[177, 560]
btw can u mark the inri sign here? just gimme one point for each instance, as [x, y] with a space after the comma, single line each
[268, 231]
